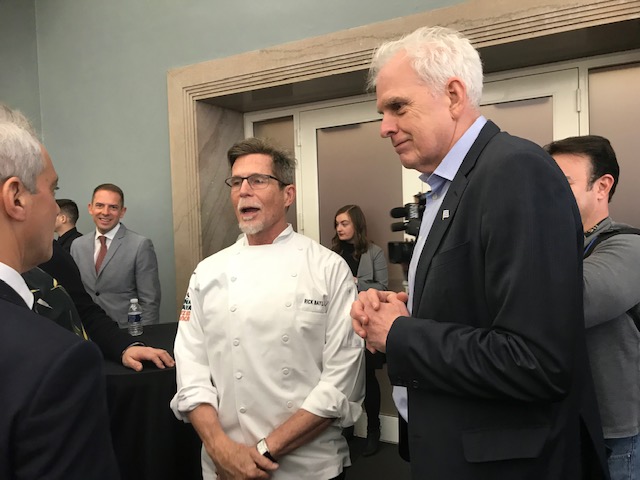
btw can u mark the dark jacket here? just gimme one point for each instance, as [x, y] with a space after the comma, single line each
[53, 408]
[98, 325]
[66, 239]
[494, 357]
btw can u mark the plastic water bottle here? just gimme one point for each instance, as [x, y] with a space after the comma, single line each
[135, 318]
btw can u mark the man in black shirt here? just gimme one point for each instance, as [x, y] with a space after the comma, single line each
[66, 223]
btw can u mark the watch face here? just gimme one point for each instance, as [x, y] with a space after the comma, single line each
[263, 450]
[262, 447]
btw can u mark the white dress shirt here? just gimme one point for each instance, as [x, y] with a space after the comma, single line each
[269, 332]
[96, 241]
[12, 278]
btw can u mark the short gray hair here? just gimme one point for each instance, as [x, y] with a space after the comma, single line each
[16, 116]
[437, 54]
[20, 155]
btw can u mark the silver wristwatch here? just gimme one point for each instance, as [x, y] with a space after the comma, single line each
[264, 450]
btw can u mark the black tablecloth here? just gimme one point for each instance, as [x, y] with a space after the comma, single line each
[150, 443]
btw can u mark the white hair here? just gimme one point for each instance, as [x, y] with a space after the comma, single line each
[10, 115]
[437, 54]
[20, 155]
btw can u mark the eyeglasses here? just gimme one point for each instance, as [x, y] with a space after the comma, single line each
[257, 181]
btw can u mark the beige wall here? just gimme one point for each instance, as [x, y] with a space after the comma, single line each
[614, 112]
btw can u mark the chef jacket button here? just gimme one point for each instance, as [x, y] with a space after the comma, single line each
[233, 308]
[238, 375]
[233, 279]
[243, 410]
[294, 274]
[285, 371]
[288, 304]
[289, 404]
[285, 338]
[236, 342]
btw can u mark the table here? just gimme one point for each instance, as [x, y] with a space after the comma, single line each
[149, 441]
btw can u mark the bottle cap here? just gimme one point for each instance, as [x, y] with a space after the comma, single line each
[134, 300]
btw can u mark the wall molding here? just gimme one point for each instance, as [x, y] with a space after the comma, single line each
[486, 22]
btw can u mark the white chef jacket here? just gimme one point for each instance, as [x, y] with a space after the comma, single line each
[268, 333]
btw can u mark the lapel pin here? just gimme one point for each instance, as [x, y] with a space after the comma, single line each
[445, 214]
[43, 303]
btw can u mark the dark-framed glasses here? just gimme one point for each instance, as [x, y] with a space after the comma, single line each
[257, 181]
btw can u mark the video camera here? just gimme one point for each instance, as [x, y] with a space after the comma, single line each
[400, 252]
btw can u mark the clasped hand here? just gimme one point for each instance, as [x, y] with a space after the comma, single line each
[235, 461]
[373, 315]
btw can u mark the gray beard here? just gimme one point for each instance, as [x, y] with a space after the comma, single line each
[251, 229]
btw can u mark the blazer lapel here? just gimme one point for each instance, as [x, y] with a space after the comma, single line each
[447, 211]
[115, 244]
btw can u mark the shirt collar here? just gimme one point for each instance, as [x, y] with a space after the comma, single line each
[286, 233]
[110, 234]
[15, 281]
[450, 164]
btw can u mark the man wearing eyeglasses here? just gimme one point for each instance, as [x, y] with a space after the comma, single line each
[268, 368]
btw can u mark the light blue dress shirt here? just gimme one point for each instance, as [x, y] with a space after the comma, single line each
[437, 187]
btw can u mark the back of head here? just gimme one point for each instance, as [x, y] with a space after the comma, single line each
[284, 164]
[437, 54]
[16, 117]
[20, 155]
[597, 149]
[69, 208]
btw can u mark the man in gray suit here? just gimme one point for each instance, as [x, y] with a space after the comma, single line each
[117, 264]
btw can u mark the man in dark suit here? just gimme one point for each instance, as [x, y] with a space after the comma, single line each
[492, 357]
[127, 269]
[66, 223]
[53, 412]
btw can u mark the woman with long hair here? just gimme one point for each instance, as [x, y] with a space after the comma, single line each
[369, 268]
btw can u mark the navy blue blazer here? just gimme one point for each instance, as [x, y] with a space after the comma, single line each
[53, 408]
[494, 356]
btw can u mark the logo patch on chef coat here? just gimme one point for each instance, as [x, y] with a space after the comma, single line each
[185, 313]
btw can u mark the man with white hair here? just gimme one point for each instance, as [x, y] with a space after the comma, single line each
[53, 413]
[489, 347]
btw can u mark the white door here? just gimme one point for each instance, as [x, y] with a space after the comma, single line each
[540, 107]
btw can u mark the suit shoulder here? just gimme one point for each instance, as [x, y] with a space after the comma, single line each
[84, 238]
[127, 233]
[508, 152]
[374, 249]
[26, 331]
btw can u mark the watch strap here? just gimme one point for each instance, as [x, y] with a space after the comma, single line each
[263, 450]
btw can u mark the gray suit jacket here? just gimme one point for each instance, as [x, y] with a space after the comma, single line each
[130, 270]
[372, 270]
